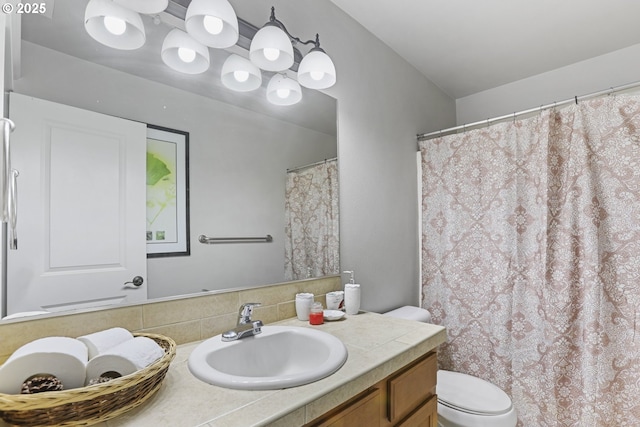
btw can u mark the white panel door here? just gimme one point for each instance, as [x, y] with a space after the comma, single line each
[81, 208]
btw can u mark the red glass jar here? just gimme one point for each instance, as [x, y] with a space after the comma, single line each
[316, 315]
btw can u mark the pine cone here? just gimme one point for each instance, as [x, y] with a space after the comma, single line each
[40, 383]
[99, 380]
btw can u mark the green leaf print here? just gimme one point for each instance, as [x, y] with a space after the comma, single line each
[156, 169]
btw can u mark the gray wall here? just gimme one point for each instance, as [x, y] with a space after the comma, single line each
[592, 75]
[238, 162]
[383, 103]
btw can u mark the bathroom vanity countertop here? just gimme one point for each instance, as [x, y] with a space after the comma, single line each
[378, 345]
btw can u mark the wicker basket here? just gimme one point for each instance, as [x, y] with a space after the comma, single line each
[92, 404]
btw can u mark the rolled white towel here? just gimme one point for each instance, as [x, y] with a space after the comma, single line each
[63, 357]
[101, 341]
[124, 359]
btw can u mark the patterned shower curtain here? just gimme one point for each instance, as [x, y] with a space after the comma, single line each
[312, 229]
[531, 260]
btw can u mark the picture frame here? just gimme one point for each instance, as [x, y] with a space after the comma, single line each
[167, 174]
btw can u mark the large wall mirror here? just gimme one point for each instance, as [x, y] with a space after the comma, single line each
[240, 146]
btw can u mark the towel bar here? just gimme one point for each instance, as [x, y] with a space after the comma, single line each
[211, 240]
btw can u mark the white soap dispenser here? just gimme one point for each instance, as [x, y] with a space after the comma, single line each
[351, 295]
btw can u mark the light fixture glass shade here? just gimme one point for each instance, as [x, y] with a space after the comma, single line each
[282, 90]
[316, 70]
[271, 49]
[240, 74]
[183, 53]
[148, 7]
[113, 25]
[212, 22]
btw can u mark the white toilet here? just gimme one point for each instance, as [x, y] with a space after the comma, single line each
[465, 400]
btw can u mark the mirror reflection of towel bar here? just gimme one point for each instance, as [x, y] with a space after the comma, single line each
[211, 240]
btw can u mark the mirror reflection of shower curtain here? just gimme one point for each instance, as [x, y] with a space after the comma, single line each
[312, 221]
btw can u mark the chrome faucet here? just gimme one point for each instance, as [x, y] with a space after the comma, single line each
[245, 326]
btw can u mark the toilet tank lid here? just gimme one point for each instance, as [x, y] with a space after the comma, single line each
[471, 394]
[411, 313]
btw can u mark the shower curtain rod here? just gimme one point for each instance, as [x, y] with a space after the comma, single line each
[311, 165]
[487, 122]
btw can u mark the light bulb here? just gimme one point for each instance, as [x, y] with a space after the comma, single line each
[271, 53]
[241, 75]
[212, 24]
[317, 75]
[115, 26]
[186, 54]
[283, 93]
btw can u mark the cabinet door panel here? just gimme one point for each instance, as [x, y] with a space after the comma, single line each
[363, 412]
[424, 416]
[411, 387]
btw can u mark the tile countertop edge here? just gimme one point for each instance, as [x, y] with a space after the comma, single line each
[377, 363]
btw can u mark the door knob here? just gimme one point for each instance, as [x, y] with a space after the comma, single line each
[137, 281]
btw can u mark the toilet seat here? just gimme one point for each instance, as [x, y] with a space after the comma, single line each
[471, 395]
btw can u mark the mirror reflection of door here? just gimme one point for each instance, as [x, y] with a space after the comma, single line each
[79, 235]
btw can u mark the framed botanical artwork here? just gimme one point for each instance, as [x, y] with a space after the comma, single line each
[167, 192]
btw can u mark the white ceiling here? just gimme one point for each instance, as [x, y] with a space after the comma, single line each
[468, 46]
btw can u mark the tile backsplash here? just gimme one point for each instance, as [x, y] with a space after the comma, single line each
[184, 319]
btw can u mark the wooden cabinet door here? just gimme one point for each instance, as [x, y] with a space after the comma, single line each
[405, 399]
[412, 386]
[424, 416]
[363, 412]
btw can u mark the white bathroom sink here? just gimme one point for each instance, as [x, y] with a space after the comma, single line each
[279, 357]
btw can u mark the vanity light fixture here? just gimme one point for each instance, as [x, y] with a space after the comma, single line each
[240, 74]
[148, 7]
[316, 69]
[272, 50]
[183, 53]
[283, 90]
[212, 22]
[271, 47]
[113, 25]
